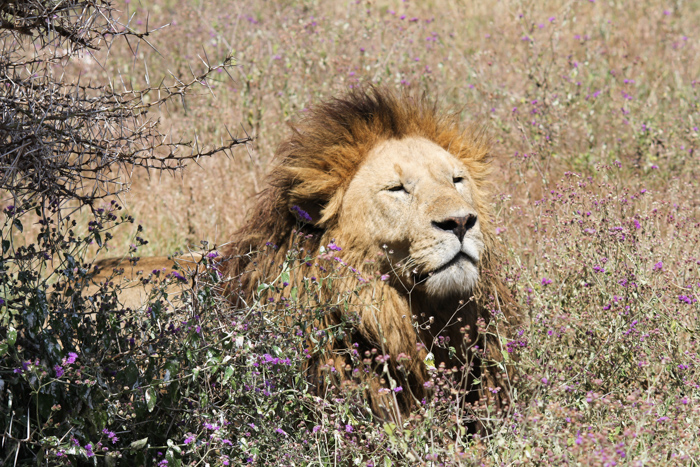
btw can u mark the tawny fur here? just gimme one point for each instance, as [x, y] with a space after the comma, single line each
[133, 293]
[315, 167]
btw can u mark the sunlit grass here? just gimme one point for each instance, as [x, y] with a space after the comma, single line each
[592, 109]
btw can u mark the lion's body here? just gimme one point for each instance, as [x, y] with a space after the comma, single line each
[130, 275]
[402, 190]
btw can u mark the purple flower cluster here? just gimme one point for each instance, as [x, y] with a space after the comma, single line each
[687, 299]
[303, 215]
[72, 357]
[178, 276]
[270, 360]
[111, 435]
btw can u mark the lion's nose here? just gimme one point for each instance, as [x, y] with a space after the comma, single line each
[457, 225]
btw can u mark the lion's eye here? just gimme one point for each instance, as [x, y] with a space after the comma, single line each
[397, 188]
[457, 180]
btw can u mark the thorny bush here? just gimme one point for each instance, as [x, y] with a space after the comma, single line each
[80, 375]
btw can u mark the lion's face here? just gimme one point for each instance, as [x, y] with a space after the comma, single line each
[417, 199]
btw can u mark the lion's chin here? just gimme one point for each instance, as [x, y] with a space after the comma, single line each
[457, 278]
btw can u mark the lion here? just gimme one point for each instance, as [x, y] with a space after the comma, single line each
[402, 189]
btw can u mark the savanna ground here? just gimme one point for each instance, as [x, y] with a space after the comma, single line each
[592, 108]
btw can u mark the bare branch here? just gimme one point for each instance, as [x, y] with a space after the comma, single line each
[62, 139]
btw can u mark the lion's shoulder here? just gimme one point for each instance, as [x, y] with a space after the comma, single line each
[132, 277]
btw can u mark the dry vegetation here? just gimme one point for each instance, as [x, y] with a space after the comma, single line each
[593, 110]
[560, 87]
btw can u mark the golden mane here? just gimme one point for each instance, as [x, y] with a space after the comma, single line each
[314, 167]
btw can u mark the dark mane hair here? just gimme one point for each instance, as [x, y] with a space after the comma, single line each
[314, 167]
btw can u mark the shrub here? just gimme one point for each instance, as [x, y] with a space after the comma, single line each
[76, 368]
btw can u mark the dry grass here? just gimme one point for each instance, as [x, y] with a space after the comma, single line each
[593, 111]
[597, 72]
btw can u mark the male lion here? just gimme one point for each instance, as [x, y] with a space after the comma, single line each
[374, 174]
[389, 179]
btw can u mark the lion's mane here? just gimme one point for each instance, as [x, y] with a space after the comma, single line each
[314, 168]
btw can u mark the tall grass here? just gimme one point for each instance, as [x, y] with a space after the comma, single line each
[558, 85]
[592, 109]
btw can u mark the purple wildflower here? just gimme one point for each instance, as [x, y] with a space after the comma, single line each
[686, 299]
[25, 367]
[303, 215]
[111, 435]
[178, 276]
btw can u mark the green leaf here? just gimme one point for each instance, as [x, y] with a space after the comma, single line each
[139, 444]
[129, 374]
[18, 225]
[390, 428]
[150, 399]
[227, 375]
[171, 368]
[11, 336]
[293, 293]
[98, 239]
[77, 451]
[174, 461]
[100, 419]
[172, 445]
[3, 349]
[5, 246]
[50, 441]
